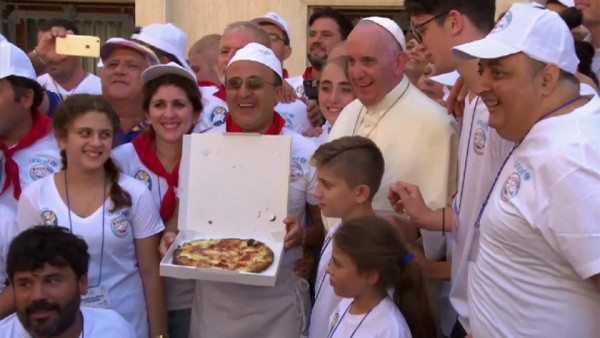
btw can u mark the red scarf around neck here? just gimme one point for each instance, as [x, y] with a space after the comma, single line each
[203, 83]
[274, 129]
[307, 73]
[143, 147]
[42, 125]
[221, 93]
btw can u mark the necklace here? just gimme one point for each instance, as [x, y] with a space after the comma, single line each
[356, 123]
[487, 198]
[103, 212]
[332, 332]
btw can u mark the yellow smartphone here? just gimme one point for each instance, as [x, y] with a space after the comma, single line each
[78, 45]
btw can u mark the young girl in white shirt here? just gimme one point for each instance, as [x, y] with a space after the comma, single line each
[384, 290]
[113, 213]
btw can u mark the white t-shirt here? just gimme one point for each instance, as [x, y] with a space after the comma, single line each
[596, 63]
[39, 160]
[213, 111]
[384, 321]
[481, 153]
[114, 265]
[8, 231]
[540, 235]
[295, 116]
[179, 291]
[97, 323]
[325, 300]
[322, 139]
[89, 85]
[268, 312]
[297, 82]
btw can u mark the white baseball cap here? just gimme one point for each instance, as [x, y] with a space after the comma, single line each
[166, 37]
[159, 70]
[527, 28]
[257, 53]
[390, 26]
[447, 79]
[274, 19]
[14, 62]
[567, 3]
[113, 44]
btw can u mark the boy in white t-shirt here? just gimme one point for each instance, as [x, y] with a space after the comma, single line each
[47, 266]
[536, 250]
[349, 172]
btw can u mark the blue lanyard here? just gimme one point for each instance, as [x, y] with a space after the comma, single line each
[71, 226]
[458, 205]
[332, 332]
[318, 292]
[487, 198]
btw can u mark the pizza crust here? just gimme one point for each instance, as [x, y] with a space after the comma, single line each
[234, 254]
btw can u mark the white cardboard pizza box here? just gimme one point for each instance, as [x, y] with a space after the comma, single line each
[232, 185]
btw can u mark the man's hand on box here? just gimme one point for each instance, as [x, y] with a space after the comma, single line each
[167, 239]
[294, 233]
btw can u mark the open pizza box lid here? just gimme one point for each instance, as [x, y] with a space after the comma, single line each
[232, 185]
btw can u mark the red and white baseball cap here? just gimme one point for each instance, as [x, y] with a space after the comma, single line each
[275, 19]
[527, 28]
[390, 26]
[14, 62]
[159, 70]
[257, 53]
[166, 37]
[113, 44]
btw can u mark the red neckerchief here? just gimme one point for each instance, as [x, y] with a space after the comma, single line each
[221, 93]
[143, 147]
[285, 73]
[203, 83]
[42, 125]
[274, 129]
[307, 73]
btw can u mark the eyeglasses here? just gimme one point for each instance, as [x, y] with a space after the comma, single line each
[417, 30]
[274, 37]
[253, 83]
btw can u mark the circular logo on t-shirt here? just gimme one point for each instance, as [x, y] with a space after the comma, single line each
[143, 176]
[511, 187]
[296, 171]
[503, 23]
[49, 217]
[299, 91]
[120, 226]
[217, 116]
[38, 171]
[479, 141]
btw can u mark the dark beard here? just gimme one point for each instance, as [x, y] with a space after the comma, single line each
[317, 63]
[66, 317]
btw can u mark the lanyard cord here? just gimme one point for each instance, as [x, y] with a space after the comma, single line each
[458, 206]
[71, 225]
[318, 292]
[487, 198]
[332, 332]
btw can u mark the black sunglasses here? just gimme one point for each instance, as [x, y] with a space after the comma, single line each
[253, 83]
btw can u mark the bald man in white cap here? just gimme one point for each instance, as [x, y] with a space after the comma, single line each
[414, 133]
[253, 79]
[536, 252]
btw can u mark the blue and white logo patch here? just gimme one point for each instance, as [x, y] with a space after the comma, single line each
[217, 116]
[511, 187]
[142, 175]
[49, 217]
[503, 23]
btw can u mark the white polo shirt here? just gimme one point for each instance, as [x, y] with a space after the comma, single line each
[97, 323]
[89, 85]
[113, 264]
[8, 231]
[179, 291]
[295, 116]
[254, 311]
[540, 235]
[37, 161]
[384, 321]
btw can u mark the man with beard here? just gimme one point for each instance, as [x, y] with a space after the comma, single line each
[328, 28]
[67, 77]
[47, 267]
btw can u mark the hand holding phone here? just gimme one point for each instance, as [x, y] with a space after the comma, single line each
[78, 45]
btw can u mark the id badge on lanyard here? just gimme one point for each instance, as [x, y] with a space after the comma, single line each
[97, 297]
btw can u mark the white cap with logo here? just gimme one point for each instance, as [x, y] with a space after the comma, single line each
[173, 68]
[113, 44]
[527, 28]
[166, 37]
[14, 62]
[257, 53]
[274, 19]
[390, 26]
